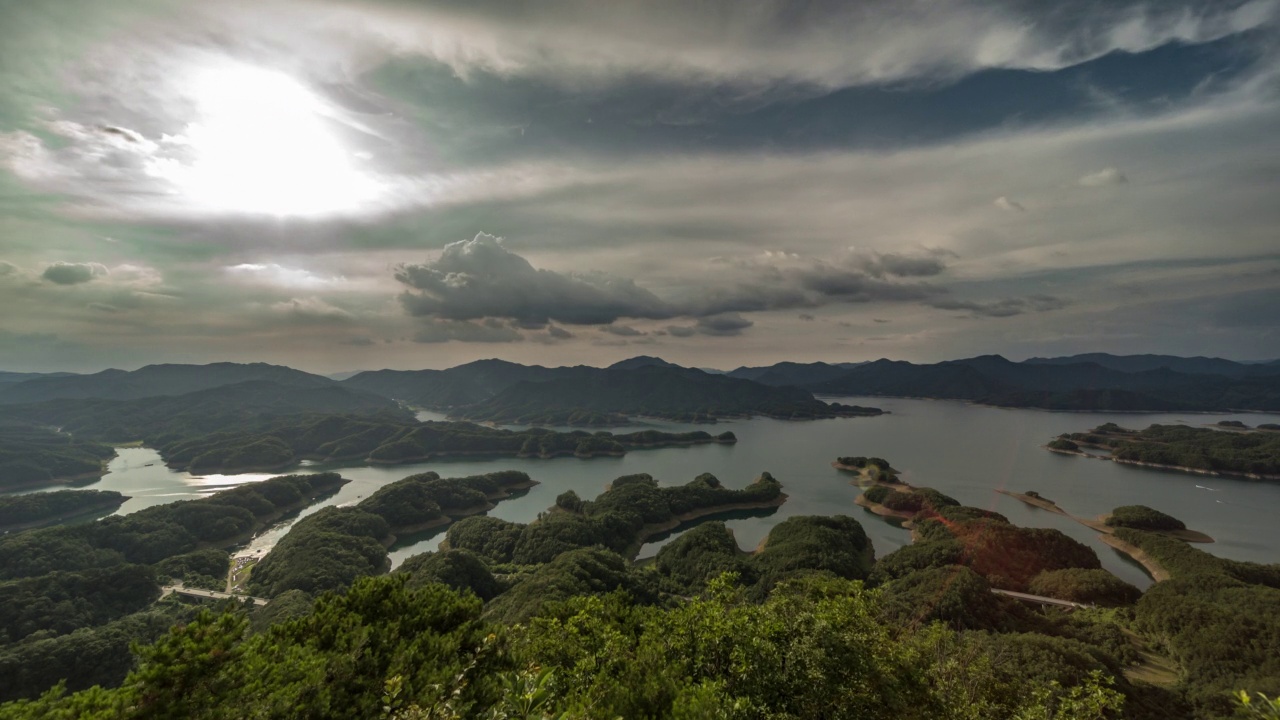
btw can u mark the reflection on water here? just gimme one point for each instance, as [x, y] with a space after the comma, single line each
[966, 451]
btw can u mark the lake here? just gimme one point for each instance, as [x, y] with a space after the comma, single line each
[966, 451]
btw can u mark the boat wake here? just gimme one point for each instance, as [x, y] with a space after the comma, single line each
[1202, 487]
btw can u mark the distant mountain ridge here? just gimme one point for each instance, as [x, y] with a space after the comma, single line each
[153, 381]
[506, 392]
[484, 389]
[1057, 384]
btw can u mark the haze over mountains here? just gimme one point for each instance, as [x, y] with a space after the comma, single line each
[502, 391]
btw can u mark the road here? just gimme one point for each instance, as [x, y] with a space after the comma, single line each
[1042, 599]
[210, 594]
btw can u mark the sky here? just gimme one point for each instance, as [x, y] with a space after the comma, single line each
[417, 184]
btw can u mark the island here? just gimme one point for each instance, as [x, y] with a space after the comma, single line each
[633, 509]
[35, 510]
[390, 441]
[1234, 451]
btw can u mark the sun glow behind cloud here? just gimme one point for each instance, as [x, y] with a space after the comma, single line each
[263, 143]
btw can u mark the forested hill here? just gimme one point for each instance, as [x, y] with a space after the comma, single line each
[653, 391]
[161, 419]
[462, 385]
[499, 391]
[1061, 385]
[153, 380]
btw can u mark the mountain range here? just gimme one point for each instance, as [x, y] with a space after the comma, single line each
[499, 390]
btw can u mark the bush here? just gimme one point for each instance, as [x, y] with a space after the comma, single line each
[1141, 517]
[1094, 586]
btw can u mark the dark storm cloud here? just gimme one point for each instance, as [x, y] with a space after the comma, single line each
[882, 264]
[64, 273]
[723, 325]
[480, 278]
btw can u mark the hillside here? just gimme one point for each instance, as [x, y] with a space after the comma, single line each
[550, 619]
[153, 380]
[161, 419]
[650, 391]
[462, 385]
[1063, 385]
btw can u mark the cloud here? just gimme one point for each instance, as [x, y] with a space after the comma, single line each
[277, 275]
[722, 325]
[358, 342]
[1102, 178]
[1004, 203]
[620, 330]
[559, 333]
[489, 331]
[1007, 307]
[920, 265]
[480, 278]
[725, 324]
[64, 273]
[312, 309]
[826, 44]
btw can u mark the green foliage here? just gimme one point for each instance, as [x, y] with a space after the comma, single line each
[1063, 444]
[703, 553]
[1141, 517]
[1259, 706]
[162, 531]
[951, 594]
[61, 602]
[877, 493]
[1094, 586]
[917, 556]
[674, 393]
[569, 501]
[633, 507]
[804, 544]
[89, 656]
[812, 649]
[33, 508]
[1191, 447]
[1219, 619]
[324, 551]
[459, 569]
[491, 538]
[330, 663]
[203, 568]
[35, 455]
[571, 574]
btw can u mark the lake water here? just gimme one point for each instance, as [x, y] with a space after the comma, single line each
[966, 451]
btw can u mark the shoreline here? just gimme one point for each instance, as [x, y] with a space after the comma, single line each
[64, 480]
[648, 531]
[65, 517]
[1100, 525]
[1148, 563]
[979, 403]
[882, 511]
[1261, 477]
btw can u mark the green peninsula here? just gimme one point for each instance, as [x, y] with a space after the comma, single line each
[1249, 454]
